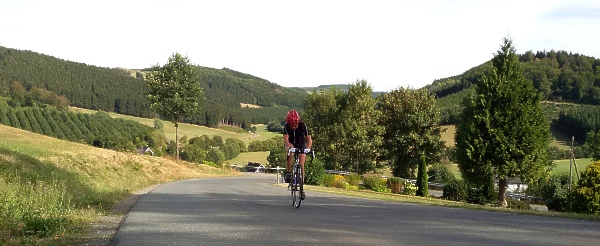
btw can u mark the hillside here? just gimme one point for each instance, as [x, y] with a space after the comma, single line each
[52, 190]
[569, 84]
[123, 91]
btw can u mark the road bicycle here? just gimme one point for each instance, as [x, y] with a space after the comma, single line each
[296, 185]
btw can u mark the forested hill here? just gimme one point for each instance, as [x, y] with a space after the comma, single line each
[560, 76]
[123, 91]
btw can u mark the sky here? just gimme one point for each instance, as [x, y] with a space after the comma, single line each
[388, 43]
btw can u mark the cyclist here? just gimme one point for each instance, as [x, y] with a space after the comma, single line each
[296, 135]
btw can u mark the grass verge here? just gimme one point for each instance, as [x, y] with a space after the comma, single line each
[436, 201]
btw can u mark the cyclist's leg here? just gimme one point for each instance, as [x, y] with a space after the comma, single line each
[302, 159]
[288, 163]
[288, 167]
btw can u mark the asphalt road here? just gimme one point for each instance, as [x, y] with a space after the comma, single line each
[250, 210]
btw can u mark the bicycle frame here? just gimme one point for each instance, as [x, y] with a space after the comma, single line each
[296, 186]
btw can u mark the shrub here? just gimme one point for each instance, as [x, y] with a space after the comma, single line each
[328, 180]
[440, 173]
[586, 195]
[353, 179]
[314, 172]
[455, 190]
[479, 196]
[554, 191]
[516, 204]
[409, 189]
[340, 182]
[375, 183]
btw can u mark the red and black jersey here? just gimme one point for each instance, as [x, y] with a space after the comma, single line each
[297, 137]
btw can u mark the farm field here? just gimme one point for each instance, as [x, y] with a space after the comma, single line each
[562, 166]
[245, 157]
[190, 130]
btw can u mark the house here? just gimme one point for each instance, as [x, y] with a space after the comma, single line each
[144, 150]
[515, 185]
[255, 167]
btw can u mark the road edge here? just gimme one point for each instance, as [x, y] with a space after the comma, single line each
[102, 233]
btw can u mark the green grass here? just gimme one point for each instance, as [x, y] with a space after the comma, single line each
[563, 166]
[245, 157]
[52, 190]
[442, 202]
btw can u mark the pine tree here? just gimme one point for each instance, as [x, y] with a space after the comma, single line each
[502, 133]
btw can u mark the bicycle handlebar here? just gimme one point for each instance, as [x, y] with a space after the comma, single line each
[301, 151]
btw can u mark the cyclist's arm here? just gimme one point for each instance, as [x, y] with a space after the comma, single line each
[286, 141]
[308, 142]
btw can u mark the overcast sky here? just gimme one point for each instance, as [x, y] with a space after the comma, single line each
[389, 43]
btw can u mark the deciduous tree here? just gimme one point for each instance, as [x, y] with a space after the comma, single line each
[411, 128]
[174, 91]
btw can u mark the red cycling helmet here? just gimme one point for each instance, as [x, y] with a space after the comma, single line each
[292, 118]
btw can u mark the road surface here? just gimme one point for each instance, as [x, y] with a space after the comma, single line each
[251, 210]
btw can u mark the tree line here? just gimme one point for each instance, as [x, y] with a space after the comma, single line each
[123, 91]
[502, 134]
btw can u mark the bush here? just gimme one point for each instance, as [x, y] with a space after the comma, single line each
[409, 189]
[554, 191]
[586, 198]
[328, 180]
[314, 172]
[353, 179]
[339, 181]
[478, 196]
[516, 204]
[455, 190]
[440, 173]
[375, 183]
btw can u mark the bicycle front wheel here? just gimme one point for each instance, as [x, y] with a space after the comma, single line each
[299, 187]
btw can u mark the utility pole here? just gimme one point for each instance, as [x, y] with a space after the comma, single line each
[572, 163]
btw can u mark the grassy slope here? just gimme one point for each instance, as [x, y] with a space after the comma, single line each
[191, 130]
[195, 130]
[71, 184]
